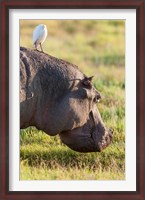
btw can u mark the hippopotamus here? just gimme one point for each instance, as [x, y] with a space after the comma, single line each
[56, 97]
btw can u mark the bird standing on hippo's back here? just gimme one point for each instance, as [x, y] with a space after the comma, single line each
[39, 35]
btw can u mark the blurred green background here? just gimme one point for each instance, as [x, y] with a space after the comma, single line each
[97, 47]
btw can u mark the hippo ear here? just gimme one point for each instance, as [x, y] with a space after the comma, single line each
[90, 78]
[87, 81]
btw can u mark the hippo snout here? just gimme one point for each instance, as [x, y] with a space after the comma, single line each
[93, 136]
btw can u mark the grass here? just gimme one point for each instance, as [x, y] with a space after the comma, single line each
[97, 47]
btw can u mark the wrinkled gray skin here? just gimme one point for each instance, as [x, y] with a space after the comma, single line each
[59, 99]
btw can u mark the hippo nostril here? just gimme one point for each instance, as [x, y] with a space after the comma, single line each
[110, 132]
[97, 98]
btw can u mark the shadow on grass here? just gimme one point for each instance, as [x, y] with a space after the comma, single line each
[66, 158]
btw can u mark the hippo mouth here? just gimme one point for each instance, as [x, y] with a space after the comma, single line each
[93, 136]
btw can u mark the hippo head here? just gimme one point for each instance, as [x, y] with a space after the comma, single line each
[58, 98]
[92, 136]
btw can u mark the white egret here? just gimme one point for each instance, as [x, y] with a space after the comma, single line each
[39, 35]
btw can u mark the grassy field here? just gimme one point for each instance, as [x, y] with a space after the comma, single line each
[98, 48]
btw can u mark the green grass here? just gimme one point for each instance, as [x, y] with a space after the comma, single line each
[97, 47]
[45, 157]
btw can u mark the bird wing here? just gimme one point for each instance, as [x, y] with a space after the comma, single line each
[37, 34]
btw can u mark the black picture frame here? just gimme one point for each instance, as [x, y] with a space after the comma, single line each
[139, 5]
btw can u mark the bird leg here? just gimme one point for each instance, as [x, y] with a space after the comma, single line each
[41, 47]
[35, 47]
